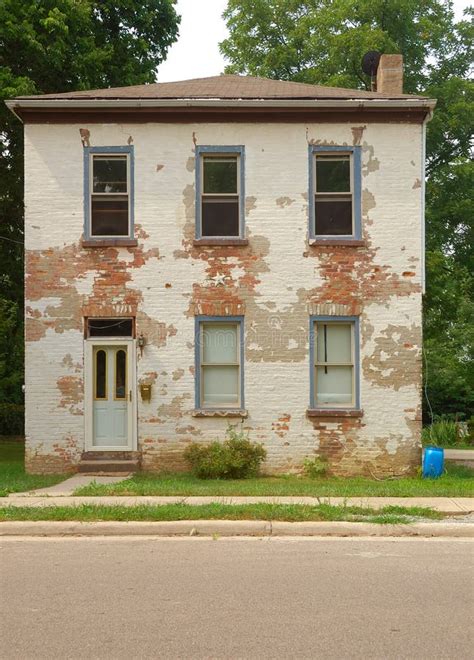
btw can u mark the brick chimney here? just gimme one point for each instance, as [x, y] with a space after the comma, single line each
[390, 75]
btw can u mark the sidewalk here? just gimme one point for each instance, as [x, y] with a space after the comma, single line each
[447, 505]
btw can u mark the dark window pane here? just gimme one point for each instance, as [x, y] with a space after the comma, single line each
[120, 374]
[109, 216]
[100, 375]
[220, 216]
[333, 217]
[109, 327]
[220, 175]
[109, 174]
[333, 174]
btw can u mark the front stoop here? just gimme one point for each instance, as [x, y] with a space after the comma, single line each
[109, 463]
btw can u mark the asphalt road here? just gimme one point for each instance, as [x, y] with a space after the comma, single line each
[236, 598]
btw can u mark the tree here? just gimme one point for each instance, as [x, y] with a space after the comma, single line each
[322, 42]
[55, 46]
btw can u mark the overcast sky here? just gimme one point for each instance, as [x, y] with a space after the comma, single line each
[197, 56]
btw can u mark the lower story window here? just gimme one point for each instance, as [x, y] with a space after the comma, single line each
[334, 363]
[219, 363]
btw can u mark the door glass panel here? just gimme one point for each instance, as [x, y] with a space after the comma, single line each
[120, 374]
[333, 386]
[100, 375]
[220, 343]
[334, 342]
[220, 386]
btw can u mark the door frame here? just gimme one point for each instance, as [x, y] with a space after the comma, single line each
[89, 345]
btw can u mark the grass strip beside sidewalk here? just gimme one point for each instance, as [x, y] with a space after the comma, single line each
[458, 481]
[215, 511]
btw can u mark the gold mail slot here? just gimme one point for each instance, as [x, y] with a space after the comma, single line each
[145, 391]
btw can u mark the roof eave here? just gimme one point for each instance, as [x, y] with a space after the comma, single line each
[97, 104]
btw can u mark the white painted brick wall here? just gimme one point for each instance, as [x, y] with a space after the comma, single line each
[276, 166]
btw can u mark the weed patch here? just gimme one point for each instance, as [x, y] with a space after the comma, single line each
[215, 511]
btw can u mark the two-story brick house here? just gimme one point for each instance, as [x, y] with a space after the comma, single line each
[225, 249]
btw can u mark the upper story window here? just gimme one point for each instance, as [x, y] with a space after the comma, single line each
[335, 193]
[335, 363]
[219, 192]
[108, 192]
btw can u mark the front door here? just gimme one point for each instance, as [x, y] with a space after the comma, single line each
[111, 396]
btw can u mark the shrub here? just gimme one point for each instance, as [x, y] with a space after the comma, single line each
[235, 458]
[470, 431]
[442, 433]
[12, 419]
[315, 467]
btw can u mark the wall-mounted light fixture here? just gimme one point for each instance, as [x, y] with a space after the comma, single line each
[141, 343]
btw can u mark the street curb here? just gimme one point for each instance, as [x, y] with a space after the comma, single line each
[233, 528]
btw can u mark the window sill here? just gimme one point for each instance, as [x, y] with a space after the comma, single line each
[330, 242]
[109, 242]
[220, 241]
[224, 412]
[333, 412]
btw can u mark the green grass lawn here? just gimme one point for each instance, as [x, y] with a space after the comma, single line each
[457, 482]
[12, 472]
[292, 513]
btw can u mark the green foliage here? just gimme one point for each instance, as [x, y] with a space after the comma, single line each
[449, 431]
[11, 354]
[56, 46]
[235, 458]
[322, 42]
[315, 467]
[12, 419]
[442, 433]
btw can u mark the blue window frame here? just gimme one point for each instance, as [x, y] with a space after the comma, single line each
[108, 192]
[334, 362]
[335, 192]
[220, 191]
[219, 362]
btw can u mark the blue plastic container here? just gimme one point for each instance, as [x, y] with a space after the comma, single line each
[433, 462]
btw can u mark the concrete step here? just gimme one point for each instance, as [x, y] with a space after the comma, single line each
[108, 467]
